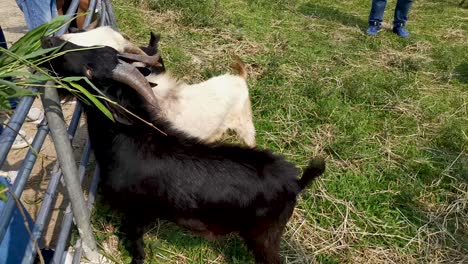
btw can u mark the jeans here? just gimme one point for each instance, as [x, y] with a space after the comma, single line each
[13, 101]
[401, 12]
[3, 43]
[37, 12]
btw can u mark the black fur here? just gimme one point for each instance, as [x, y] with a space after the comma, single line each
[210, 189]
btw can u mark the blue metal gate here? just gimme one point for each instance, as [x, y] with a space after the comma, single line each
[104, 8]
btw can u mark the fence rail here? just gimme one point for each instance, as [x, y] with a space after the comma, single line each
[78, 208]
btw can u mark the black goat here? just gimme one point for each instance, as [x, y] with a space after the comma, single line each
[210, 189]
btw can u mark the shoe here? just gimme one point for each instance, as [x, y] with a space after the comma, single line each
[9, 175]
[70, 101]
[21, 141]
[401, 31]
[372, 30]
[35, 115]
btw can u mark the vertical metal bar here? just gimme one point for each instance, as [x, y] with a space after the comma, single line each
[110, 14]
[16, 121]
[91, 198]
[78, 252]
[103, 14]
[49, 196]
[64, 151]
[93, 188]
[43, 214]
[68, 216]
[89, 16]
[71, 10]
[23, 175]
[75, 121]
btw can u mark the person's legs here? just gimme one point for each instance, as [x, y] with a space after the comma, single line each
[22, 140]
[377, 11]
[3, 43]
[376, 16]
[37, 12]
[401, 12]
[401, 16]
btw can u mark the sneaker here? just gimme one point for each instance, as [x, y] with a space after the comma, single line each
[372, 30]
[401, 31]
[70, 101]
[21, 141]
[35, 115]
[9, 175]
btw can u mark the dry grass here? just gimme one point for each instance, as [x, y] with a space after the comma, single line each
[385, 112]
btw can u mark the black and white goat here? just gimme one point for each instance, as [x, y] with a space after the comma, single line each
[205, 110]
[105, 36]
[210, 189]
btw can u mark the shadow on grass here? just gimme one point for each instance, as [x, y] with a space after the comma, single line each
[461, 72]
[329, 13]
[436, 216]
[231, 247]
[170, 241]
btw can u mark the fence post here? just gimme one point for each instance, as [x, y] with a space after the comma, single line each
[57, 126]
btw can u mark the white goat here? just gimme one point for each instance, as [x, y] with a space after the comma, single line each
[105, 36]
[208, 109]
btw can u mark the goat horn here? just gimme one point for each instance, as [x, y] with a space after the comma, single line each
[128, 74]
[149, 60]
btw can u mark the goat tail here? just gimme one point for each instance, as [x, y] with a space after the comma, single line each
[239, 67]
[316, 168]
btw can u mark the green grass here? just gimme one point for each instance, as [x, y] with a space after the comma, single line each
[390, 115]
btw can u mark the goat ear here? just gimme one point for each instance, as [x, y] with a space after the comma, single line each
[119, 114]
[154, 39]
[88, 72]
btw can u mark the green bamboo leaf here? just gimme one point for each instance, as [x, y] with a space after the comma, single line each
[39, 52]
[93, 99]
[30, 42]
[79, 78]
[73, 78]
[16, 74]
[38, 78]
[9, 84]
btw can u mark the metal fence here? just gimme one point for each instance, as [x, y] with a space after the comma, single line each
[78, 209]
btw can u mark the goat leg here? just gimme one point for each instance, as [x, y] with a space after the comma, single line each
[134, 232]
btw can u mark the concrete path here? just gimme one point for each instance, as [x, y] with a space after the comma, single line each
[12, 21]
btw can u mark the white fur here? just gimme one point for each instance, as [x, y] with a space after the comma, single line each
[208, 109]
[104, 36]
[205, 110]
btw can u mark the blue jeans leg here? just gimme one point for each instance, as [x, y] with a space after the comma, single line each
[401, 13]
[377, 11]
[13, 101]
[37, 12]
[3, 43]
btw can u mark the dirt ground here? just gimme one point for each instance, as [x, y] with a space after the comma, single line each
[13, 25]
